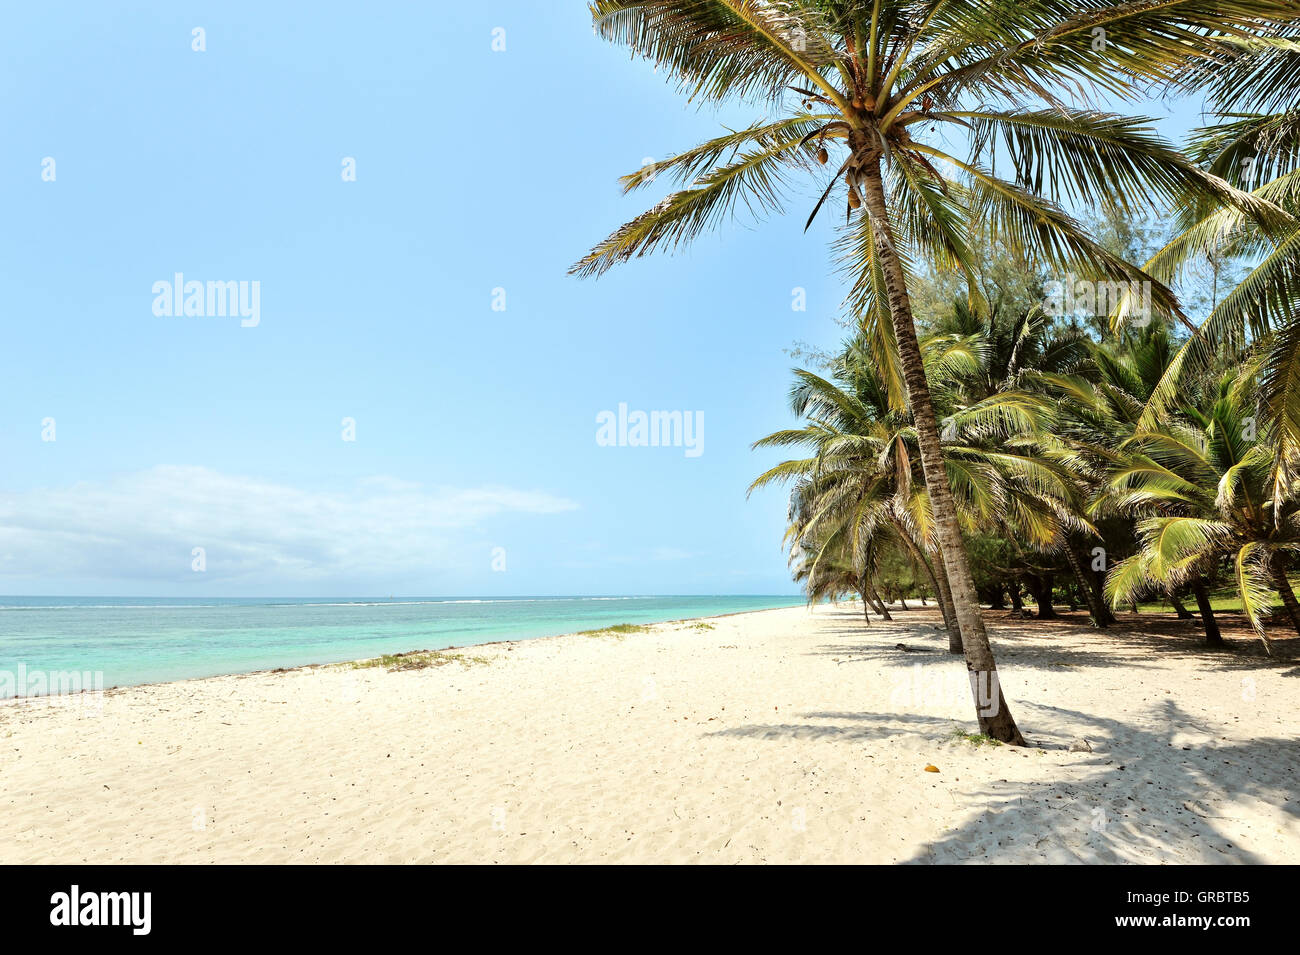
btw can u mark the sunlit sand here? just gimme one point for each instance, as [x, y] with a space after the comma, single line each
[775, 736]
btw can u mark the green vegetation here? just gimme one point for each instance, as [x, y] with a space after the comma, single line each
[1224, 599]
[994, 444]
[420, 660]
[974, 739]
[1060, 489]
[617, 631]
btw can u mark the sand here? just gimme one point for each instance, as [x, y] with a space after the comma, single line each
[775, 736]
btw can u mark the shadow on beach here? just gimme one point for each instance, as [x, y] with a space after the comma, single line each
[1140, 796]
[1145, 796]
[1157, 786]
[1131, 642]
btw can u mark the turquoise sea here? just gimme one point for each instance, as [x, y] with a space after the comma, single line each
[133, 640]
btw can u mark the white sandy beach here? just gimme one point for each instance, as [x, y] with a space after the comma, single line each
[776, 736]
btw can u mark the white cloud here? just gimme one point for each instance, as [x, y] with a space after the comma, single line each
[144, 525]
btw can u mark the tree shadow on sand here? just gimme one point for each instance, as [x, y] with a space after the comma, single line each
[1160, 784]
[1070, 641]
[1164, 790]
[1167, 792]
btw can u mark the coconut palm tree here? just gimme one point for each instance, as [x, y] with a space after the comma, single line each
[1019, 346]
[1254, 143]
[1098, 405]
[828, 571]
[882, 84]
[1015, 342]
[863, 483]
[1205, 483]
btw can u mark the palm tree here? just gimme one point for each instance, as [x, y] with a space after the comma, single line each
[829, 571]
[874, 80]
[1015, 342]
[1098, 404]
[1021, 346]
[1254, 143]
[1206, 476]
[862, 487]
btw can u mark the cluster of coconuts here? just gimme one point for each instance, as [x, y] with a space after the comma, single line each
[855, 201]
[867, 103]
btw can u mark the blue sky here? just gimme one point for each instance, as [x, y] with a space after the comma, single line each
[475, 428]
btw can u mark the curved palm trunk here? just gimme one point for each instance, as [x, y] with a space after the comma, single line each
[1213, 638]
[880, 604]
[1284, 590]
[991, 708]
[862, 592]
[877, 603]
[1097, 609]
[949, 613]
[939, 578]
[1183, 612]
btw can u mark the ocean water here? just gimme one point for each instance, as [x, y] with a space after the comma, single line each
[132, 640]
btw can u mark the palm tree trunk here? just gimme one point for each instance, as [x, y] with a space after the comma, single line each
[950, 612]
[878, 603]
[1097, 609]
[995, 719]
[1183, 612]
[862, 592]
[1284, 590]
[1212, 636]
[939, 579]
[1040, 585]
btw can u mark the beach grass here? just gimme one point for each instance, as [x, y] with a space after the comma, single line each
[618, 631]
[974, 739]
[418, 660]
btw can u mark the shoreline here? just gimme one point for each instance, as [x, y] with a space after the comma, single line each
[117, 687]
[778, 735]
